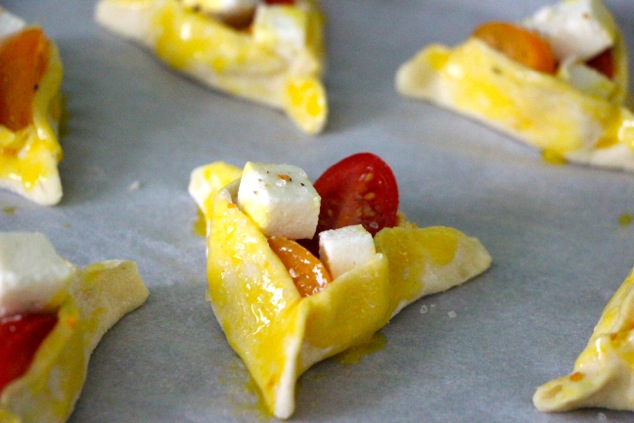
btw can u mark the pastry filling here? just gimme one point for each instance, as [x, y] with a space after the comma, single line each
[23, 59]
[238, 14]
[358, 197]
[530, 49]
[20, 338]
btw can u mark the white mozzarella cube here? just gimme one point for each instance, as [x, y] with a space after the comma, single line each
[9, 23]
[237, 13]
[220, 6]
[131, 20]
[578, 29]
[345, 248]
[588, 80]
[280, 199]
[284, 29]
[33, 278]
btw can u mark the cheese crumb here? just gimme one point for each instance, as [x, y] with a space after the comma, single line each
[134, 186]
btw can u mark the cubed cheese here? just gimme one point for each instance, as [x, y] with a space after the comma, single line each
[9, 23]
[220, 6]
[580, 29]
[237, 13]
[33, 278]
[132, 20]
[280, 199]
[345, 248]
[587, 79]
[281, 28]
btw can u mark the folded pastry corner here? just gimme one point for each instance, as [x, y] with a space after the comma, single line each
[426, 261]
[603, 375]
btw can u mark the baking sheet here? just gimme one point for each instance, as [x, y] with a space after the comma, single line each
[473, 354]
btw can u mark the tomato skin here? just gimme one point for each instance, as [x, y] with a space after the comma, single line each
[604, 63]
[360, 189]
[519, 44]
[308, 273]
[20, 337]
[24, 58]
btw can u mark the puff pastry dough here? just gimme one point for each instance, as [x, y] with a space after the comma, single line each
[277, 61]
[279, 334]
[603, 373]
[97, 299]
[586, 126]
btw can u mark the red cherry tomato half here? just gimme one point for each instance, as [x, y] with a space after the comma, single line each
[20, 337]
[603, 63]
[360, 189]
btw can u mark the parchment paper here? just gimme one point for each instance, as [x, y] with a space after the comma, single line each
[135, 130]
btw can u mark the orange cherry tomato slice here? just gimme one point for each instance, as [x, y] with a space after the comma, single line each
[308, 273]
[23, 60]
[20, 337]
[604, 63]
[519, 44]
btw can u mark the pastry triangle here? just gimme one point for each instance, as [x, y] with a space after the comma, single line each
[603, 375]
[276, 59]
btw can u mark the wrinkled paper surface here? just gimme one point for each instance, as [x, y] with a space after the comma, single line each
[558, 235]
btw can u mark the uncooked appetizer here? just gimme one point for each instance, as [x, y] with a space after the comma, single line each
[270, 51]
[299, 272]
[52, 316]
[556, 81]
